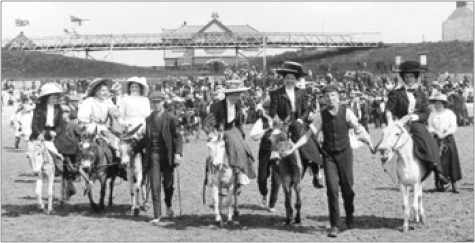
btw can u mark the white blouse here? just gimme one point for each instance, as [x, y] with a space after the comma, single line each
[291, 94]
[50, 115]
[442, 122]
[94, 110]
[134, 109]
[231, 111]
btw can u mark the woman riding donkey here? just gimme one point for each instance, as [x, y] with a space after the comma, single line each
[289, 101]
[409, 100]
[96, 113]
[227, 114]
[47, 116]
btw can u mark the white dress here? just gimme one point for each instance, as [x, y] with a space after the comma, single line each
[134, 110]
[442, 122]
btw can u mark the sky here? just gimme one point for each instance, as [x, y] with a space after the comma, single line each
[398, 22]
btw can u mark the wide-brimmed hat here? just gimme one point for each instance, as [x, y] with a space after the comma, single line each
[291, 67]
[438, 96]
[234, 86]
[140, 81]
[410, 67]
[49, 89]
[95, 83]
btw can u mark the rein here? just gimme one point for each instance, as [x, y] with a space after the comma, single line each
[399, 137]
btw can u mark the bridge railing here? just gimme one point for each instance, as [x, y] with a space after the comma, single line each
[201, 40]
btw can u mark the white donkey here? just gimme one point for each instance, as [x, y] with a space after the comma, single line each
[43, 166]
[220, 176]
[407, 170]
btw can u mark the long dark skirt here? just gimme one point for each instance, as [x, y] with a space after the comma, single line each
[450, 159]
[425, 146]
[239, 153]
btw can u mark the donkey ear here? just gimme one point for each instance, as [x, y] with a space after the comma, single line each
[404, 120]
[276, 120]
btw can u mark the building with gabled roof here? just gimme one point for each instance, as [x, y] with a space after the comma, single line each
[459, 25]
[206, 56]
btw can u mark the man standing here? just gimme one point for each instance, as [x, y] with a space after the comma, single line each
[163, 144]
[336, 120]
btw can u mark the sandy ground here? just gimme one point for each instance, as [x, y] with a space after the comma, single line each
[378, 206]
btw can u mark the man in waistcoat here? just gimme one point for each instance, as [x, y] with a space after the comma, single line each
[163, 144]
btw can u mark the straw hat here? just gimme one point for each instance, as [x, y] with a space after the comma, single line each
[234, 86]
[437, 96]
[140, 81]
[49, 89]
[97, 82]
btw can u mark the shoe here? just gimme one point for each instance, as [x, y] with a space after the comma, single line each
[155, 221]
[350, 222]
[455, 187]
[333, 232]
[170, 212]
[318, 183]
[271, 210]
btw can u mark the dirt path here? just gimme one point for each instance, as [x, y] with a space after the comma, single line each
[378, 206]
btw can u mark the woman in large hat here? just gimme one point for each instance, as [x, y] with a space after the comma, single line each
[47, 116]
[409, 100]
[47, 113]
[97, 109]
[290, 101]
[135, 107]
[442, 125]
[227, 115]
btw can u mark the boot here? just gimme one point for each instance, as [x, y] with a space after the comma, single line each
[455, 187]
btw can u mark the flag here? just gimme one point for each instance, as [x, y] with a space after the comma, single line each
[21, 23]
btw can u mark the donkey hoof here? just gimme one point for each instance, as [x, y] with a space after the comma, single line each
[145, 207]
[236, 213]
[136, 211]
[220, 224]
[49, 211]
[287, 222]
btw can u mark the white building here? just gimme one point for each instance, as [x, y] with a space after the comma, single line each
[459, 25]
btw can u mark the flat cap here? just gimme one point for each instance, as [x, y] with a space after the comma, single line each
[330, 88]
[156, 95]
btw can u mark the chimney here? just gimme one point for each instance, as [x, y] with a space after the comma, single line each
[461, 4]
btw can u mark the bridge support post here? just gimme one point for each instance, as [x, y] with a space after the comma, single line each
[264, 61]
[236, 61]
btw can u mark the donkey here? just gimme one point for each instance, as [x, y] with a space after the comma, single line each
[288, 167]
[407, 170]
[97, 162]
[137, 176]
[43, 166]
[220, 175]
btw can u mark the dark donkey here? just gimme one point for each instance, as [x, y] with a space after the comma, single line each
[97, 162]
[288, 167]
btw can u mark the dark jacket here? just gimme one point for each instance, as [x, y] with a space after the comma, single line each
[280, 104]
[220, 110]
[398, 104]
[38, 123]
[170, 133]
[67, 139]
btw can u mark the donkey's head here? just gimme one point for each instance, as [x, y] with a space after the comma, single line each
[217, 150]
[127, 144]
[394, 137]
[37, 155]
[280, 137]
